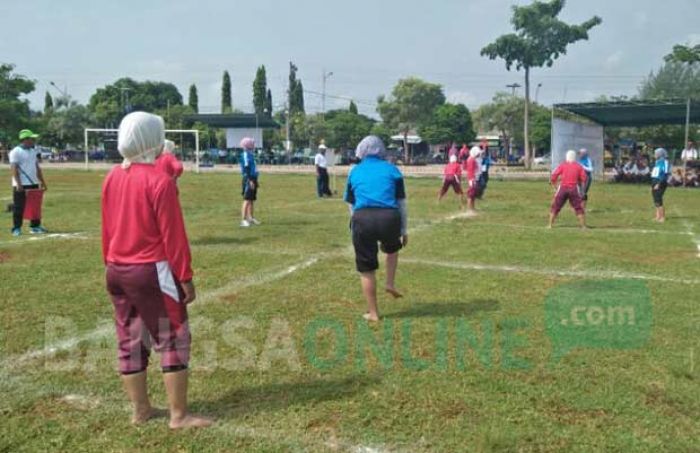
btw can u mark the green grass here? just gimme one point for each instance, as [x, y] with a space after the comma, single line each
[273, 386]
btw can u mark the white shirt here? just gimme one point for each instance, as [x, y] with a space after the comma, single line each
[689, 154]
[320, 160]
[26, 160]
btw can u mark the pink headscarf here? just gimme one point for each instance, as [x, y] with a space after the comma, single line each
[248, 143]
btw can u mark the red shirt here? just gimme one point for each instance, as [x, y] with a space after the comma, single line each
[142, 221]
[572, 174]
[471, 167]
[169, 164]
[453, 169]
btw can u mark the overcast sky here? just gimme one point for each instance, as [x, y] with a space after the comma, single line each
[367, 44]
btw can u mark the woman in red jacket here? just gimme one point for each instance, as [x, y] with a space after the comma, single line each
[167, 162]
[572, 176]
[149, 273]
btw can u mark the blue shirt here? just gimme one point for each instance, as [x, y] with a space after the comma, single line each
[247, 161]
[587, 164]
[661, 171]
[375, 183]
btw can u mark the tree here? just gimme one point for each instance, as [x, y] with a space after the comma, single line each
[64, 125]
[353, 107]
[109, 104]
[449, 123]
[411, 105]
[48, 103]
[345, 129]
[14, 112]
[539, 39]
[501, 114]
[193, 99]
[226, 103]
[382, 131]
[260, 90]
[684, 54]
[268, 103]
[295, 91]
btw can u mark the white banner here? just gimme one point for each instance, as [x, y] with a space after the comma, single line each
[234, 137]
[568, 135]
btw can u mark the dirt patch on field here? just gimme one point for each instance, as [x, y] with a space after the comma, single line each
[4, 257]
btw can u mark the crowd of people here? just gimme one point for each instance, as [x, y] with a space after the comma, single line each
[475, 162]
[638, 169]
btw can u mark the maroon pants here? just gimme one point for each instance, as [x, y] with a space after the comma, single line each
[147, 310]
[451, 182]
[570, 194]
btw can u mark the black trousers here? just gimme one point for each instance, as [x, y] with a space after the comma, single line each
[19, 199]
[322, 182]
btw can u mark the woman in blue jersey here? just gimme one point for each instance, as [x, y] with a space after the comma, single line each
[377, 197]
[659, 182]
[585, 161]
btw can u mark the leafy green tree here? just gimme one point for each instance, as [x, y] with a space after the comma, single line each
[382, 131]
[502, 115]
[226, 102]
[540, 38]
[64, 125]
[295, 91]
[684, 54]
[14, 112]
[48, 103]
[260, 90]
[268, 103]
[110, 103]
[672, 81]
[449, 123]
[353, 108]
[193, 99]
[345, 129]
[410, 106]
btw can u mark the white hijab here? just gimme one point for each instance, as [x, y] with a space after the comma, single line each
[141, 138]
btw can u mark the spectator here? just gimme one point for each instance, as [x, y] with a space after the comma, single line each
[690, 153]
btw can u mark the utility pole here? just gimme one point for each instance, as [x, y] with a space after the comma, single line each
[326, 76]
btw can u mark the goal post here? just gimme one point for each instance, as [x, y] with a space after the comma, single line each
[195, 132]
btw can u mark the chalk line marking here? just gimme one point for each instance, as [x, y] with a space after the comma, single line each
[41, 237]
[607, 275]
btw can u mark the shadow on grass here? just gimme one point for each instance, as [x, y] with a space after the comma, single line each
[278, 396]
[447, 309]
[223, 240]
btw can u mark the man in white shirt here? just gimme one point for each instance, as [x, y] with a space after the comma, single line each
[689, 153]
[26, 176]
[321, 165]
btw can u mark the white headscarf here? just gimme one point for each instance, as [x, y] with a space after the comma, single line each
[169, 146]
[659, 153]
[370, 146]
[141, 137]
[475, 151]
[453, 158]
[571, 156]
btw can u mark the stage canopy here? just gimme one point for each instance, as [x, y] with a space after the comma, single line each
[635, 113]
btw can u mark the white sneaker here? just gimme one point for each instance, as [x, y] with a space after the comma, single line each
[245, 224]
[253, 221]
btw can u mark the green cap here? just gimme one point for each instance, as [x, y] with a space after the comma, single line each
[26, 133]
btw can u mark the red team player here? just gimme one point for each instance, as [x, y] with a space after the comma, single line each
[452, 178]
[168, 163]
[472, 168]
[572, 176]
[149, 273]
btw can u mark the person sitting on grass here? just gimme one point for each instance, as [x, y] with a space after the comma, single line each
[377, 197]
[148, 267]
[168, 163]
[452, 178]
[472, 168]
[572, 177]
[659, 182]
[250, 185]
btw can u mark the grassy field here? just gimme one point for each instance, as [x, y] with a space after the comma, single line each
[465, 362]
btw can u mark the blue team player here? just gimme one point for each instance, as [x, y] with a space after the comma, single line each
[585, 161]
[249, 188]
[659, 182]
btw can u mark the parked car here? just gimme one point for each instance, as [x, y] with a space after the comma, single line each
[543, 160]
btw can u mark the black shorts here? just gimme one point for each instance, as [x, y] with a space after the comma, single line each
[658, 194]
[249, 193]
[372, 226]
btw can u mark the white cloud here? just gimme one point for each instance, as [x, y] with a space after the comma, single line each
[614, 59]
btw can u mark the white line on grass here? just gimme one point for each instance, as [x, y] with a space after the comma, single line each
[78, 235]
[607, 275]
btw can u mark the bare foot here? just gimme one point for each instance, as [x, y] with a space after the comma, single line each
[191, 421]
[394, 292]
[370, 318]
[142, 416]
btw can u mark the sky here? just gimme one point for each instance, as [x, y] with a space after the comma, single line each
[368, 45]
